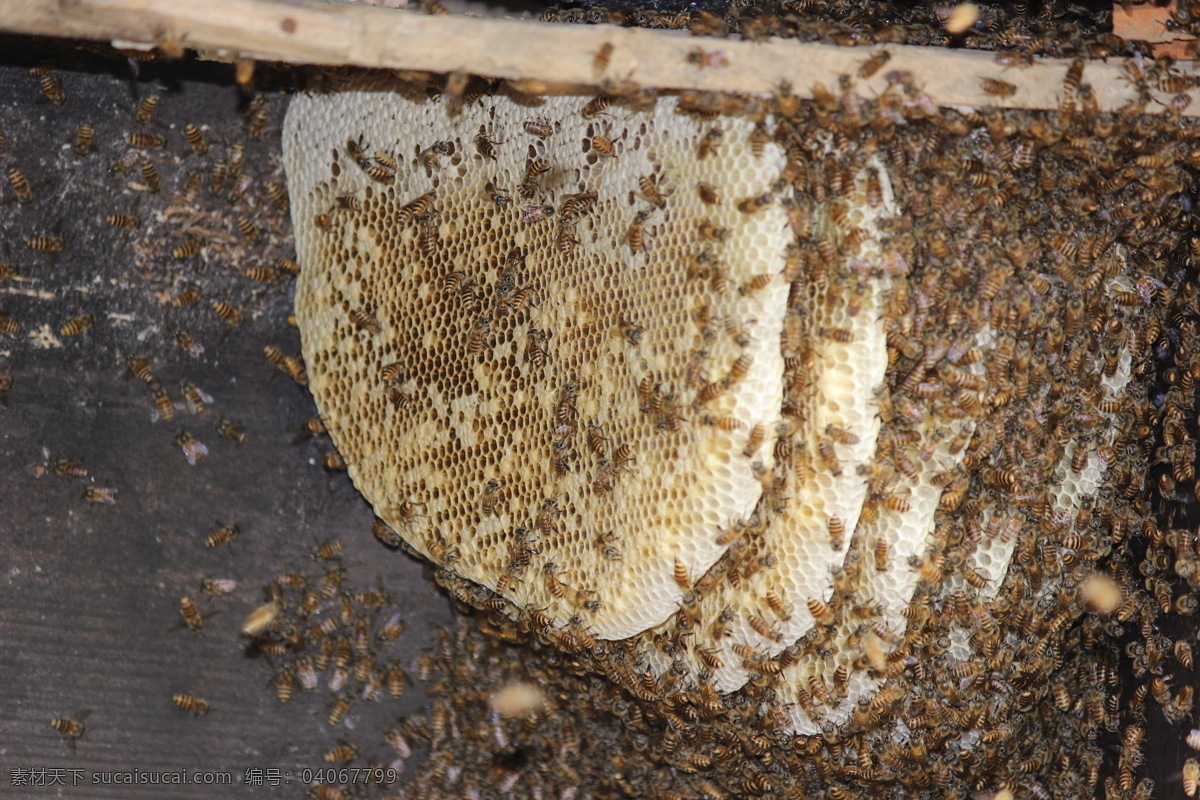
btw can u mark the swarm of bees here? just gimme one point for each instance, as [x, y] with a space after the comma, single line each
[1019, 340]
[965, 524]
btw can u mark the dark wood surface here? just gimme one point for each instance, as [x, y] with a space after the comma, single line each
[89, 593]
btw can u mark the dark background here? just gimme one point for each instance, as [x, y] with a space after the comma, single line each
[89, 593]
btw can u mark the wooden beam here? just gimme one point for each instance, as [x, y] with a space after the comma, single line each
[548, 55]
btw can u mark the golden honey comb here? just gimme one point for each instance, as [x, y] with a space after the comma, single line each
[517, 390]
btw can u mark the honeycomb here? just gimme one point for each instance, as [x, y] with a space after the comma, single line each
[535, 393]
[652, 373]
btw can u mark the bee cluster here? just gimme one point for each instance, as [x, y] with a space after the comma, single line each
[1022, 29]
[964, 365]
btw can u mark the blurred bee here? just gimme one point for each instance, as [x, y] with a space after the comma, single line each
[68, 469]
[164, 409]
[191, 703]
[99, 494]
[327, 550]
[340, 707]
[262, 275]
[195, 139]
[248, 229]
[77, 325]
[707, 59]
[216, 176]
[194, 397]
[278, 195]
[146, 141]
[217, 586]
[258, 124]
[261, 619]
[539, 128]
[73, 729]
[342, 754]
[193, 449]
[146, 109]
[187, 343]
[50, 243]
[191, 614]
[333, 462]
[287, 266]
[189, 248]
[230, 430]
[127, 221]
[601, 60]
[20, 186]
[52, 90]
[186, 298]
[873, 64]
[604, 147]
[997, 88]
[596, 106]
[150, 177]
[123, 164]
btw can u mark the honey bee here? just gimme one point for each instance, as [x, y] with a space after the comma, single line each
[189, 248]
[69, 469]
[636, 236]
[187, 343]
[874, 63]
[604, 146]
[77, 325]
[227, 312]
[9, 325]
[258, 124]
[52, 90]
[193, 449]
[150, 177]
[146, 141]
[20, 186]
[217, 175]
[146, 109]
[164, 409]
[191, 614]
[708, 193]
[261, 619]
[709, 230]
[997, 88]
[288, 267]
[230, 430]
[248, 229]
[186, 297]
[485, 145]
[340, 707]
[820, 612]
[127, 221]
[596, 106]
[100, 494]
[683, 578]
[195, 139]
[576, 205]
[73, 729]
[327, 550]
[649, 188]
[217, 586]
[191, 703]
[1191, 777]
[565, 241]
[52, 244]
[364, 320]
